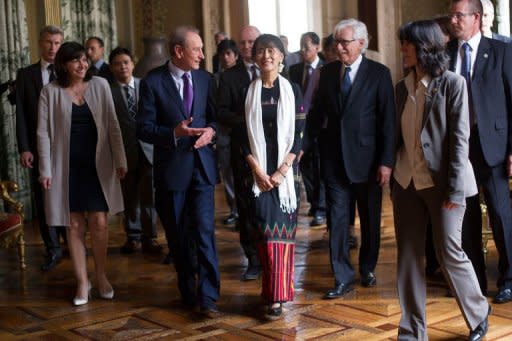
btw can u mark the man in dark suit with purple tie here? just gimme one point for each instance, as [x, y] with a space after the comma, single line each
[177, 115]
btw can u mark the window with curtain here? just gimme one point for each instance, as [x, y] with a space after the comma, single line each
[286, 17]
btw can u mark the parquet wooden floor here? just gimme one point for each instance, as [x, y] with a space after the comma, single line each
[37, 306]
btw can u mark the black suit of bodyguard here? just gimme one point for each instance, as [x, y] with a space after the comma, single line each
[490, 143]
[29, 82]
[356, 138]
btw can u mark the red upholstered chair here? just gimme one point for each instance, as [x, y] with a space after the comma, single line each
[11, 224]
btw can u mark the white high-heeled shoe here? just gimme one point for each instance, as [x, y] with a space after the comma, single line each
[77, 301]
[107, 295]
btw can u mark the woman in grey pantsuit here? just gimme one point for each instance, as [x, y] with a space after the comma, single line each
[431, 179]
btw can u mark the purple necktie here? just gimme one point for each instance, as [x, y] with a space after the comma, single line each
[188, 93]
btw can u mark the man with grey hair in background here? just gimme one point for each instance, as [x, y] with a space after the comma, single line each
[233, 85]
[29, 82]
[357, 123]
[487, 22]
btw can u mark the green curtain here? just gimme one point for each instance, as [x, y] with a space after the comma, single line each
[14, 54]
[84, 18]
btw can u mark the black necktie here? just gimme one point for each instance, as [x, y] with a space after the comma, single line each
[130, 101]
[51, 71]
[346, 84]
[307, 76]
[254, 73]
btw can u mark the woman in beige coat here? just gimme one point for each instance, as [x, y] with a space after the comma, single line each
[81, 161]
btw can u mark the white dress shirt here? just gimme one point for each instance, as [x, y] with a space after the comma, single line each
[473, 42]
[176, 74]
[354, 67]
[45, 73]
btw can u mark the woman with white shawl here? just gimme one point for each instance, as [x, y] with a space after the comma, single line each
[275, 122]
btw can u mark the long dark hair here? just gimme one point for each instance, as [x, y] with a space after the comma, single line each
[68, 51]
[427, 37]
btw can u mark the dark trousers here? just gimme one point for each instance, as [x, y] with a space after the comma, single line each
[313, 182]
[368, 196]
[243, 180]
[494, 183]
[188, 219]
[138, 197]
[49, 234]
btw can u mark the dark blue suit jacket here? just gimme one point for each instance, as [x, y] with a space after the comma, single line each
[360, 134]
[160, 111]
[491, 93]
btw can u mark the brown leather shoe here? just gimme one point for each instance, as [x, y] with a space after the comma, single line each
[131, 246]
[151, 246]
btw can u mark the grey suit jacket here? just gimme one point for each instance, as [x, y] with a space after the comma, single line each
[445, 134]
[129, 125]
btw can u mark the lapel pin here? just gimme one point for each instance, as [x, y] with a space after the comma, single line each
[486, 55]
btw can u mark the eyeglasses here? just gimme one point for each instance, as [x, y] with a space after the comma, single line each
[459, 15]
[344, 42]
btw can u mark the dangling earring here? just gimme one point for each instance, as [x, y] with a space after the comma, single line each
[280, 66]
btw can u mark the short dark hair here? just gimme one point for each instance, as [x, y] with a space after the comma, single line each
[228, 44]
[474, 5]
[98, 39]
[267, 40]
[327, 42]
[179, 35]
[427, 37]
[119, 51]
[315, 39]
[68, 51]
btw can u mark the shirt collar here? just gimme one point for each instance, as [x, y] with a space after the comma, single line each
[314, 64]
[99, 64]
[474, 41]
[356, 63]
[131, 83]
[410, 80]
[249, 65]
[44, 64]
[175, 71]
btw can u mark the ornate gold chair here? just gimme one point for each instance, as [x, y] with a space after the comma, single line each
[11, 224]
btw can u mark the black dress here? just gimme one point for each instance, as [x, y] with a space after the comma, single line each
[85, 192]
[274, 230]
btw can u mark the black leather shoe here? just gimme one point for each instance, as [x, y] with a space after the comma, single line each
[51, 261]
[317, 220]
[168, 259]
[368, 280]
[231, 219]
[210, 311]
[252, 273]
[479, 332]
[503, 296]
[339, 291]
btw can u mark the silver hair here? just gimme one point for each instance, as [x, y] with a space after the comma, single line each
[179, 35]
[50, 29]
[359, 27]
[487, 3]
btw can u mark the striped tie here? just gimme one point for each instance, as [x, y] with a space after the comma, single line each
[130, 101]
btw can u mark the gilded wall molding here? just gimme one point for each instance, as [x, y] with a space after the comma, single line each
[52, 12]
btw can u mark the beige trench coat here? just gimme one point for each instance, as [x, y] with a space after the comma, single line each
[53, 136]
